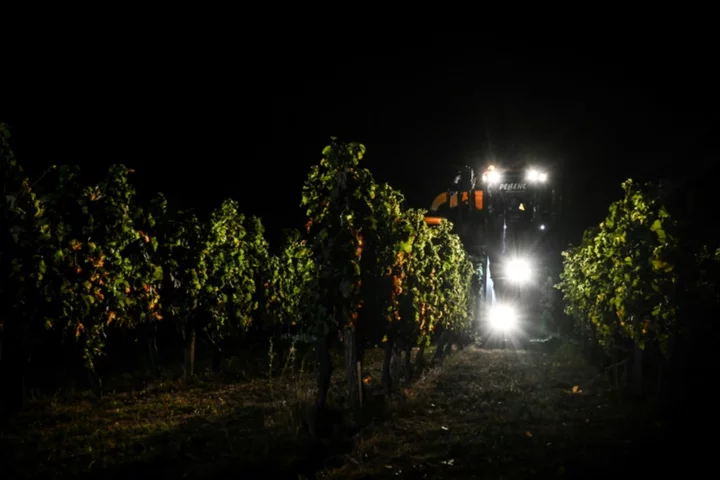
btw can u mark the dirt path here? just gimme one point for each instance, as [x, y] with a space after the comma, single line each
[504, 414]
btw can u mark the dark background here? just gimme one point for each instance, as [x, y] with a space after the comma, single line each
[202, 120]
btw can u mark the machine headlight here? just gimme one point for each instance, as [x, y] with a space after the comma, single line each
[503, 318]
[518, 271]
[536, 176]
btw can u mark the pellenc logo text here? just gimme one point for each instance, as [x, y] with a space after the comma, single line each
[512, 186]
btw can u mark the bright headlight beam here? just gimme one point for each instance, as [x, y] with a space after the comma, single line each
[502, 318]
[493, 176]
[536, 176]
[518, 271]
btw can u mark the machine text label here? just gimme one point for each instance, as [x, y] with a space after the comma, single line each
[512, 186]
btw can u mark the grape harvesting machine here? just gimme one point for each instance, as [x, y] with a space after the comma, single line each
[504, 217]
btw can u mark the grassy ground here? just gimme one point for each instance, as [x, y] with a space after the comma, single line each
[506, 414]
[215, 426]
[483, 414]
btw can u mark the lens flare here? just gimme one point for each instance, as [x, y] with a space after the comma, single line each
[503, 318]
[518, 271]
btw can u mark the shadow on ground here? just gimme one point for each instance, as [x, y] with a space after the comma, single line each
[205, 429]
[511, 414]
[483, 414]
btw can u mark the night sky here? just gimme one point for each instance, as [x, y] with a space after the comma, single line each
[205, 123]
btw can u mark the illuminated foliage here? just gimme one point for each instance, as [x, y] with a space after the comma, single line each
[211, 269]
[287, 279]
[232, 255]
[353, 219]
[623, 278]
[90, 261]
[79, 261]
[424, 279]
[104, 262]
[384, 278]
[338, 195]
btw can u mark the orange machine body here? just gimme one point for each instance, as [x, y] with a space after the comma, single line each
[452, 201]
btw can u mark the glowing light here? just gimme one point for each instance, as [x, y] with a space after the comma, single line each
[503, 318]
[518, 271]
[491, 175]
[542, 227]
[536, 176]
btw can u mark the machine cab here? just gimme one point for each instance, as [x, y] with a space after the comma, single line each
[463, 205]
[520, 195]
